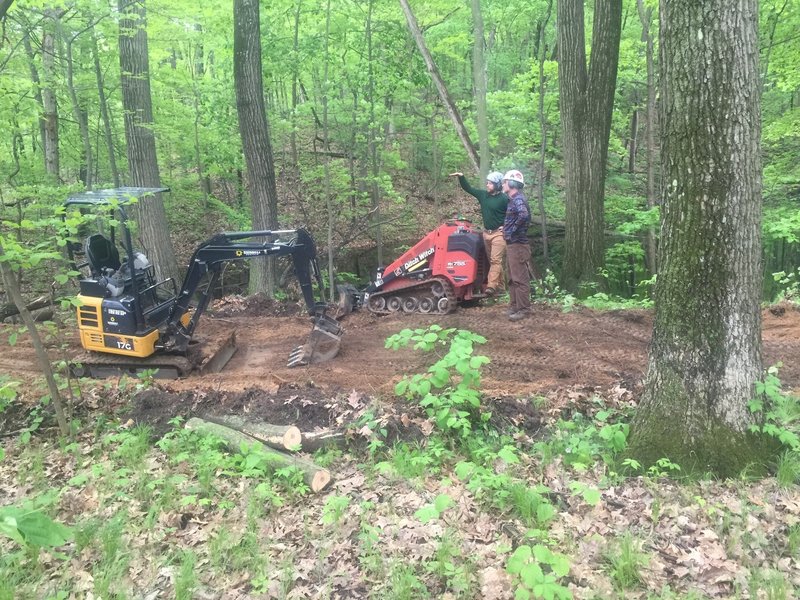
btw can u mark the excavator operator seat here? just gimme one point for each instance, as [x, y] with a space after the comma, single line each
[101, 254]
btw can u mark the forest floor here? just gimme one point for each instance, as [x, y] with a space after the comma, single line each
[401, 519]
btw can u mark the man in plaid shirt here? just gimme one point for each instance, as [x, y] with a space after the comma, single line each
[518, 248]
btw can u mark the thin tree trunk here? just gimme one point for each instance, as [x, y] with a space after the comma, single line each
[479, 83]
[37, 93]
[51, 150]
[80, 116]
[295, 67]
[646, 17]
[633, 142]
[10, 284]
[705, 354]
[326, 142]
[372, 146]
[254, 130]
[452, 109]
[101, 94]
[141, 144]
[587, 101]
[543, 127]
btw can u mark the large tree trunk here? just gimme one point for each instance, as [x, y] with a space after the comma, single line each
[254, 130]
[587, 101]
[706, 354]
[479, 83]
[646, 17]
[141, 144]
[451, 107]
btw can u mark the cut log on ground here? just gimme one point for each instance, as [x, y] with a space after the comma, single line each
[281, 437]
[314, 476]
[321, 439]
[8, 310]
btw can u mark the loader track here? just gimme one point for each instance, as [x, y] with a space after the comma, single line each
[434, 296]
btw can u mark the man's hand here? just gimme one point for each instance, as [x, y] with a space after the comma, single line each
[456, 175]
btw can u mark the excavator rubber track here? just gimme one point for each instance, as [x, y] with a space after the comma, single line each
[201, 358]
[434, 296]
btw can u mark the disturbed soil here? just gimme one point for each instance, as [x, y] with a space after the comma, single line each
[555, 354]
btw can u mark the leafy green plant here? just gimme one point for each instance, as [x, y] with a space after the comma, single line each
[30, 527]
[626, 560]
[8, 392]
[434, 511]
[451, 567]
[450, 390]
[778, 414]
[580, 441]
[334, 509]
[404, 584]
[537, 572]
[787, 470]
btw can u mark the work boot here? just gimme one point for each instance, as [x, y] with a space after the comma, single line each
[511, 311]
[519, 315]
[490, 291]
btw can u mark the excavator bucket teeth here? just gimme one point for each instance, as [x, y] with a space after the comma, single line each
[322, 345]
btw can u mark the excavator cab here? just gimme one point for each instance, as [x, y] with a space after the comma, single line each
[129, 321]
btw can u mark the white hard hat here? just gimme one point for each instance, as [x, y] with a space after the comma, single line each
[514, 175]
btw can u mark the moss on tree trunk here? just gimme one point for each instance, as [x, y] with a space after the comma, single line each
[672, 428]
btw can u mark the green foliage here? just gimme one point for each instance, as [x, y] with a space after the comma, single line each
[30, 527]
[334, 509]
[778, 414]
[434, 511]
[580, 441]
[626, 561]
[537, 572]
[8, 392]
[450, 390]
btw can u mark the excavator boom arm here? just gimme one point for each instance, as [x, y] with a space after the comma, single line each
[227, 247]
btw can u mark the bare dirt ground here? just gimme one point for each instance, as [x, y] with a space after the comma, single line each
[549, 352]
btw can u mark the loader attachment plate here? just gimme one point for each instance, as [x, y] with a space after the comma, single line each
[323, 343]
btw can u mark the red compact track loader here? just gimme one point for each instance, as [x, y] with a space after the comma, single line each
[446, 267]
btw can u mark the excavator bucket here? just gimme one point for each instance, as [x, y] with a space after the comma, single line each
[322, 345]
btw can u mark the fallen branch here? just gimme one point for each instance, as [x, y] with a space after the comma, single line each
[314, 476]
[10, 309]
[281, 437]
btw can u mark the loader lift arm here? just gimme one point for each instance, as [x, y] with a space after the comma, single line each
[226, 247]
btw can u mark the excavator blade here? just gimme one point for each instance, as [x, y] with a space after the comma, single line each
[322, 345]
[219, 356]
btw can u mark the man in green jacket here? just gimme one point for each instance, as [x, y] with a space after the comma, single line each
[493, 203]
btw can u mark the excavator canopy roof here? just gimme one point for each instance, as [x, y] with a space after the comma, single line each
[121, 195]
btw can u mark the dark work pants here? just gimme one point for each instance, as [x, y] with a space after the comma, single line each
[519, 275]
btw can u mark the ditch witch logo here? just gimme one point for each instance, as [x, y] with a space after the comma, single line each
[415, 262]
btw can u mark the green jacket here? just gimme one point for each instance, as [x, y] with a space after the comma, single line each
[493, 206]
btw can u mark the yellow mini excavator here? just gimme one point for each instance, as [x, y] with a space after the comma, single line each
[129, 322]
